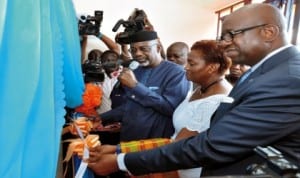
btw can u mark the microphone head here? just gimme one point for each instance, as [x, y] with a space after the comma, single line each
[133, 65]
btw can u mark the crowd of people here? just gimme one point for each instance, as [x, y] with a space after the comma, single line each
[216, 100]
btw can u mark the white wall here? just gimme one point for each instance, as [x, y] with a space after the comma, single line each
[174, 20]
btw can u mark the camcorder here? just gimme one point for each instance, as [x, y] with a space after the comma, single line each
[134, 24]
[112, 66]
[93, 71]
[275, 164]
[90, 25]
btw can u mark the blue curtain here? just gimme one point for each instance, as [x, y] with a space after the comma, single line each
[39, 75]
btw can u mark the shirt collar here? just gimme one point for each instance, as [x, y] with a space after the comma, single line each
[269, 56]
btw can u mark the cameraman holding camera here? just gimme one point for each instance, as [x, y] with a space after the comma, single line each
[89, 31]
[91, 49]
[138, 20]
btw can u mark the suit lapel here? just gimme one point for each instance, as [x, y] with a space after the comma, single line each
[237, 93]
[268, 65]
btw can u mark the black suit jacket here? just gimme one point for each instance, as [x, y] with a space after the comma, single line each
[265, 111]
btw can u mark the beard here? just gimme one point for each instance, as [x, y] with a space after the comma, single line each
[144, 63]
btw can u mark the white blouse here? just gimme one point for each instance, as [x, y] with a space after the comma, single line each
[195, 116]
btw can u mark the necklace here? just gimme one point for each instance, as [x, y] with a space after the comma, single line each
[204, 89]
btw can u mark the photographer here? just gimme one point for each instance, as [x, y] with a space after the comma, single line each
[137, 21]
[110, 62]
[91, 45]
[89, 31]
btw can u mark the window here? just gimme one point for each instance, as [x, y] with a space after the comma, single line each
[227, 10]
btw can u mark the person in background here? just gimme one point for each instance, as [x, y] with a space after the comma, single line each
[92, 50]
[265, 111]
[110, 63]
[153, 91]
[112, 68]
[137, 14]
[235, 72]
[94, 55]
[178, 52]
[110, 133]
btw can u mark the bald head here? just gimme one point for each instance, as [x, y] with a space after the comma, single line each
[261, 13]
[252, 32]
[178, 52]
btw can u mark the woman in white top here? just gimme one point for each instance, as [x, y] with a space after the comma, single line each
[206, 67]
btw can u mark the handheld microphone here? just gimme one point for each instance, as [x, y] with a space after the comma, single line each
[132, 66]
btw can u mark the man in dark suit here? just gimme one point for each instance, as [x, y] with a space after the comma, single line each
[265, 111]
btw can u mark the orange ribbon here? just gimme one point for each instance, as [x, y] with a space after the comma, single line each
[77, 145]
[91, 98]
[84, 125]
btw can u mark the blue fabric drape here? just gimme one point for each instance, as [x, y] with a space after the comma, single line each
[39, 75]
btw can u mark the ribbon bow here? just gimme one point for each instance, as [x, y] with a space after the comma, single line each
[77, 145]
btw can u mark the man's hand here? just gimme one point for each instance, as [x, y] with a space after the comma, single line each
[148, 24]
[103, 160]
[127, 78]
[97, 124]
[113, 127]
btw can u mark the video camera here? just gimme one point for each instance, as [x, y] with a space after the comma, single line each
[90, 25]
[93, 71]
[276, 165]
[134, 24]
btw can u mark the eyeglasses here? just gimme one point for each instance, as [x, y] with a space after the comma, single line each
[228, 37]
[144, 49]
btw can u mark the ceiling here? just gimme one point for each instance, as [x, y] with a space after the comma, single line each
[217, 4]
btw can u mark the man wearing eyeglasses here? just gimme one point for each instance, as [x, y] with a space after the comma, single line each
[265, 111]
[153, 91]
